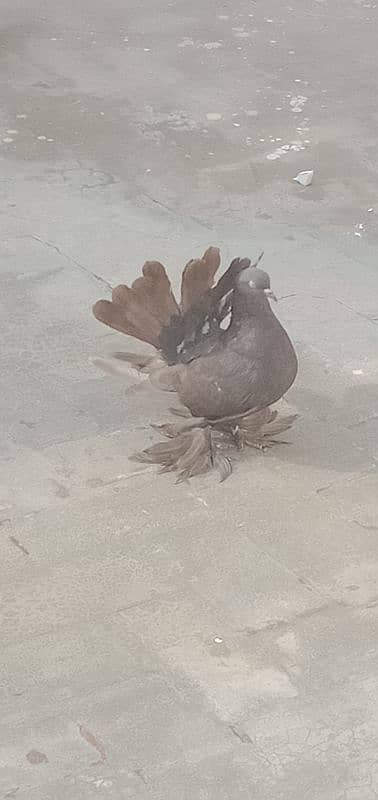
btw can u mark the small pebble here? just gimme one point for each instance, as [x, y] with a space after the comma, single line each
[42, 138]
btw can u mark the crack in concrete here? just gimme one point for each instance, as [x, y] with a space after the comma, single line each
[19, 545]
[358, 313]
[367, 317]
[279, 624]
[68, 258]
[362, 421]
[333, 605]
[364, 525]
[173, 211]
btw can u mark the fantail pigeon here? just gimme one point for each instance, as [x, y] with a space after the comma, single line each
[221, 349]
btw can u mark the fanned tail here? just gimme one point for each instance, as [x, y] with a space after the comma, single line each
[142, 309]
[182, 331]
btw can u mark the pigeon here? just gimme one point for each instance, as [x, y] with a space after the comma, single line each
[221, 349]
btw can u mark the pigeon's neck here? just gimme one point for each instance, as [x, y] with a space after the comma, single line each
[248, 304]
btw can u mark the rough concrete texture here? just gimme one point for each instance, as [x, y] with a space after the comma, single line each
[200, 642]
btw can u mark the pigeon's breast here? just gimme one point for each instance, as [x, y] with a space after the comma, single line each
[253, 371]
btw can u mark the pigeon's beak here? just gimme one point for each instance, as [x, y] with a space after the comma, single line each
[269, 293]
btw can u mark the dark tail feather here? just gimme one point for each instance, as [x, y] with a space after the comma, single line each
[203, 305]
[198, 278]
[227, 281]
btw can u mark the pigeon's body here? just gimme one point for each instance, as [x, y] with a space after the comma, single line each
[252, 367]
[218, 370]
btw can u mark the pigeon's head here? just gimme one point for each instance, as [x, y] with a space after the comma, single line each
[253, 279]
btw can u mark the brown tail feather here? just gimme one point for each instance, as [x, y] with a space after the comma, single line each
[142, 310]
[155, 272]
[154, 291]
[148, 306]
[198, 278]
[133, 320]
[121, 294]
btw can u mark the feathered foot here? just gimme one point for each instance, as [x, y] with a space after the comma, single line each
[188, 452]
[258, 429]
[195, 445]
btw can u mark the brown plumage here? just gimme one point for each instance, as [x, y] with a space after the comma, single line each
[142, 310]
[198, 278]
[221, 349]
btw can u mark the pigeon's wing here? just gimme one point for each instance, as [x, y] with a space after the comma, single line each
[198, 330]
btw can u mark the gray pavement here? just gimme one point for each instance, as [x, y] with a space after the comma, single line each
[200, 642]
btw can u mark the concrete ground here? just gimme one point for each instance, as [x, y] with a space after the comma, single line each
[202, 641]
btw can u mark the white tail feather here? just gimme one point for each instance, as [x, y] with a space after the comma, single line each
[119, 369]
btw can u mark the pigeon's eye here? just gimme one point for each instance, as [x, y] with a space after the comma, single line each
[252, 284]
